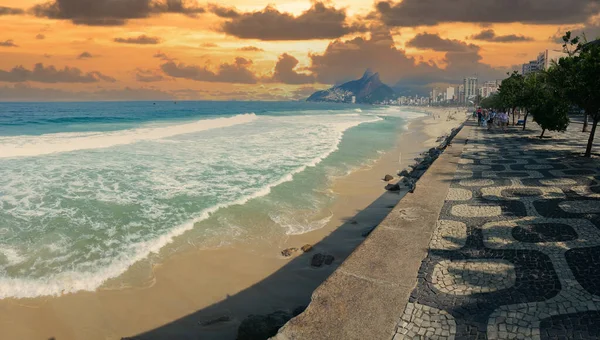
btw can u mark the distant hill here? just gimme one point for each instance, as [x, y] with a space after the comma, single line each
[368, 90]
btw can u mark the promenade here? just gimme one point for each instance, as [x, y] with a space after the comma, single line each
[516, 250]
[501, 240]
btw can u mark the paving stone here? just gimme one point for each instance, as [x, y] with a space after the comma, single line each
[516, 251]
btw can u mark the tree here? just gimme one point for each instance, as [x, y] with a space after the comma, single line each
[546, 101]
[580, 77]
[511, 92]
[491, 102]
[531, 89]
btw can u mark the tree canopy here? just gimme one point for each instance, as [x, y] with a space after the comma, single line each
[579, 75]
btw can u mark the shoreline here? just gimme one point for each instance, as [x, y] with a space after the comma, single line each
[233, 281]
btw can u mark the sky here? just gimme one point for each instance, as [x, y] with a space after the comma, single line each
[265, 50]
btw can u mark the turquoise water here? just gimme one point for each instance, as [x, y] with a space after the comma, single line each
[89, 189]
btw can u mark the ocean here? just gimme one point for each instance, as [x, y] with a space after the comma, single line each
[89, 191]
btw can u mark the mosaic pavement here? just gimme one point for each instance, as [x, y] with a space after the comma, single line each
[516, 250]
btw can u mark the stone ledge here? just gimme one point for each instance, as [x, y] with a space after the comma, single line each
[366, 295]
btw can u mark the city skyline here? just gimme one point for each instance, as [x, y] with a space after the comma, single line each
[189, 50]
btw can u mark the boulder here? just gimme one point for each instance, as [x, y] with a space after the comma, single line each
[306, 248]
[392, 187]
[317, 260]
[404, 173]
[420, 167]
[288, 252]
[329, 259]
[261, 327]
[417, 174]
[388, 178]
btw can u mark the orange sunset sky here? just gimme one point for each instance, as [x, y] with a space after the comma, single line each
[266, 50]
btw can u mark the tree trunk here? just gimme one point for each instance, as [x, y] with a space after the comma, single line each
[588, 150]
[525, 120]
[585, 122]
[514, 109]
[542, 135]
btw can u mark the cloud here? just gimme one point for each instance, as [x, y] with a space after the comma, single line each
[112, 12]
[40, 36]
[285, 71]
[209, 45]
[224, 12]
[345, 60]
[24, 92]
[411, 13]
[161, 56]
[490, 35]
[590, 29]
[51, 74]
[236, 72]
[10, 11]
[141, 40]
[428, 41]
[251, 49]
[318, 22]
[8, 43]
[148, 76]
[85, 55]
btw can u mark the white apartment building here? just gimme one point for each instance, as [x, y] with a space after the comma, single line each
[488, 88]
[543, 62]
[470, 84]
[450, 95]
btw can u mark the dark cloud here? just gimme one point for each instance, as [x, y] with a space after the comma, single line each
[285, 71]
[141, 40]
[344, 60]
[40, 36]
[490, 35]
[24, 92]
[591, 31]
[8, 43]
[10, 11]
[112, 12]
[50, 74]
[411, 13]
[428, 41]
[318, 22]
[223, 12]
[251, 49]
[161, 56]
[237, 72]
[85, 55]
[148, 76]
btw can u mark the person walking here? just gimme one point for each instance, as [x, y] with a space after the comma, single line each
[491, 119]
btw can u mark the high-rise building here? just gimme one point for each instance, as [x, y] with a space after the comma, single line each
[548, 57]
[470, 84]
[489, 87]
[450, 94]
[461, 93]
[543, 62]
[530, 67]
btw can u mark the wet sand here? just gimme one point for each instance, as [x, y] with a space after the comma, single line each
[197, 286]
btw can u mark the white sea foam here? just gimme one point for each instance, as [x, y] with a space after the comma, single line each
[24, 146]
[175, 177]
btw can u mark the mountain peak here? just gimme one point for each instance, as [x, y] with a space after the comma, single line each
[368, 74]
[367, 90]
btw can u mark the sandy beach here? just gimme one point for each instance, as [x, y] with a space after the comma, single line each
[207, 293]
